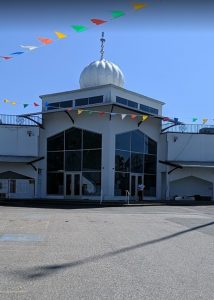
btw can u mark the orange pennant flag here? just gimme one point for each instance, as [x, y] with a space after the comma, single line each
[45, 41]
[138, 6]
[133, 117]
[60, 35]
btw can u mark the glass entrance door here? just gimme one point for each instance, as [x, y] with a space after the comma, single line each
[73, 185]
[136, 179]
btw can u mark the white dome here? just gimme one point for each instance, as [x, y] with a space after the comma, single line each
[101, 72]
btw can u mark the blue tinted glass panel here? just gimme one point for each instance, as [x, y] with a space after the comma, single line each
[122, 161]
[66, 103]
[53, 106]
[121, 100]
[81, 102]
[132, 104]
[136, 163]
[137, 141]
[73, 160]
[150, 164]
[150, 185]
[123, 141]
[94, 100]
[121, 183]
[73, 139]
[149, 109]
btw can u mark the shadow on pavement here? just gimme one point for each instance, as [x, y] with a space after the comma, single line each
[39, 272]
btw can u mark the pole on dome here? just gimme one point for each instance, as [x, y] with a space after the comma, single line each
[102, 46]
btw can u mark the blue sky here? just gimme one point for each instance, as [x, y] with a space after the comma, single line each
[165, 51]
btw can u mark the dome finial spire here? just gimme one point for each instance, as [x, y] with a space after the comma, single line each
[102, 46]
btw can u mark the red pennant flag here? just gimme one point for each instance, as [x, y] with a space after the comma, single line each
[133, 117]
[45, 41]
[101, 114]
[165, 119]
[98, 21]
[35, 104]
[6, 57]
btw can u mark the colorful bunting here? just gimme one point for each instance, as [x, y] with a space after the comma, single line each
[194, 119]
[35, 104]
[166, 119]
[25, 105]
[30, 48]
[45, 41]
[13, 103]
[79, 28]
[16, 53]
[46, 103]
[98, 21]
[204, 120]
[133, 117]
[123, 116]
[176, 120]
[117, 13]
[60, 35]
[138, 6]
[101, 114]
[69, 109]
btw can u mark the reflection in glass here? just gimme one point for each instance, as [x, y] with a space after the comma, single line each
[137, 141]
[150, 164]
[91, 140]
[73, 139]
[55, 161]
[122, 161]
[121, 183]
[91, 160]
[55, 183]
[150, 185]
[91, 183]
[123, 141]
[56, 142]
[150, 146]
[136, 163]
[73, 160]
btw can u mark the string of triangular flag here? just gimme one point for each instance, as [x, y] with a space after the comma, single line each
[77, 28]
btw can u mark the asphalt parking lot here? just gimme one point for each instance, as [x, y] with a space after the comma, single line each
[131, 252]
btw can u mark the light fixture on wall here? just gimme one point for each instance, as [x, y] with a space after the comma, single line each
[30, 132]
[175, 138]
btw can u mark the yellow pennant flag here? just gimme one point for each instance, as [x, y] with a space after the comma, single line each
[13, 103]
[60, 35]
[204, 121]
[6, 101]
[144, 117]
[79, 111]
[138, 6]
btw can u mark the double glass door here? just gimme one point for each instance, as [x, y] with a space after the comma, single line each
[136, 179]
[73, 184]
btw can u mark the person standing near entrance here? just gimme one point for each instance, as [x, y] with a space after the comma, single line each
[140, 189]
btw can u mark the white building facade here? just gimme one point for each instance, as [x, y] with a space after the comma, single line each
[99, 143]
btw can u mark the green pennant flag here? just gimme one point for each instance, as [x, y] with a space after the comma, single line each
[25, 105]
[79, 28]
[194, 119]
[117, 13]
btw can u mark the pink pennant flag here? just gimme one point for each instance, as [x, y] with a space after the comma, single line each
[166, 119]
[35, 104]
[6, 57]
[45, 41]
[101, 114]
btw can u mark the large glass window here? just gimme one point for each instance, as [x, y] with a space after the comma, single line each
[73, 160]
[135, 155]
[91, 160]
[56, 142]
[55, 161]
[121, 183]
[94, 100]
[79, 150]
[122, 161]
[123, 141]
[55, 183]
[73, 139]
[91, 183]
